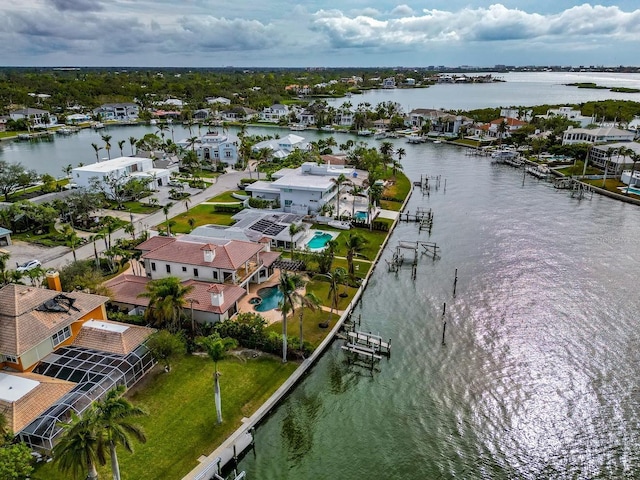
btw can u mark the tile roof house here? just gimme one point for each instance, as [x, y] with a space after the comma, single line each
[35, 321]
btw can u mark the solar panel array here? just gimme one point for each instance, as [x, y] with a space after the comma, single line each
[267, 227]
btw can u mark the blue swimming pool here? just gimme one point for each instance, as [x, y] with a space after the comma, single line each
[360, 216]
[271, 298]
[319, 240]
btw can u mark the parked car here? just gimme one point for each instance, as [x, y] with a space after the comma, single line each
[30, 265]
[175, 184]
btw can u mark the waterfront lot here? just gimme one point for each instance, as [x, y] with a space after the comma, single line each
[182, 420]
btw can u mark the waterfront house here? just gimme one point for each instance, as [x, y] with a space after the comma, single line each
[304, 189]
[76, 118]
[596, 135]
[570, 114]
[282, 147]
[274, 113]
[214, 147]
[614, 156]
[37, 118]
[238, 114]
[117, 111]
[218, 100]
[307, 117]
[512, 124]
[201, 114]
[389, 82]
[129, 167]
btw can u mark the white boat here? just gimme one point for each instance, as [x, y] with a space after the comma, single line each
[437, 141]
[504, 154]
[365, 133]
[153, 121]
[416, 139]
[296, 127]
[379, 135]
[339, 224]
[98, 125]
[327, 128]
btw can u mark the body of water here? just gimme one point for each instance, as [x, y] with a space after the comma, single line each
[538, 375]
[519, 89]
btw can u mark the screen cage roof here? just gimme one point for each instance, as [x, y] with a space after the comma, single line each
[95, 373]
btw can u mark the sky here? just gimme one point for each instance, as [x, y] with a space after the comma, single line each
[329, 33]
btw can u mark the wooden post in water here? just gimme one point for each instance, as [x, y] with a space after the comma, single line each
[444, 322]
[445, 185]
[455, 283]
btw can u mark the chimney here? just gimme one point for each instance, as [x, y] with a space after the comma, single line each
[53, 280]
[217, 295]
[209, 252]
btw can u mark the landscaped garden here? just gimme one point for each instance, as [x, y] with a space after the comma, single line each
[202, 215]
[181, 424]
[227, 197]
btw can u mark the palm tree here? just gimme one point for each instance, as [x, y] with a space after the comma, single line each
[339, 181]
[67, 170]
[216, 348]
[132, 142]
[113, 417]
[335, 278]
[167, 298]
[502, 130]
[288, 285]
[107, 145]
[264, 155]
[635, 157]
[293, 230]
[192, 222]
[97, 149]
[93, 239]
[165, 210]
[312, 302]
[401, 153]
[80, 448]
[354, 244]
[71, 238]
[609, 154]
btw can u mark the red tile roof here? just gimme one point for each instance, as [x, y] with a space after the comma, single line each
[105, 340]
[229, 256]
[269, 257]
[22, 327]
[512, 122]
[155, 242]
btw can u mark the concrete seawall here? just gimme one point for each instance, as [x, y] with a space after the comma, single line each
[297, 375]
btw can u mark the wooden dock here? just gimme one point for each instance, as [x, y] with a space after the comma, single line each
[370, 341]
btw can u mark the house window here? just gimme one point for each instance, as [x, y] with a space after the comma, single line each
[61, 336]
[10, 359]
[288, 203]
[215, 274]
[168, 267]
[184, 269]
[153, 266]
[195, 272]
[227, 154]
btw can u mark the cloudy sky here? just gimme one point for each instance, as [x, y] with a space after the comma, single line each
[214, 33]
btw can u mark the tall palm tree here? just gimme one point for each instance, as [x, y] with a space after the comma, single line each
[293, 230]
[401, 153]
[67, 170]
[502, 130]
[107, 146]
[97, 149]
[337, 277]
[339, 181]
[113, 418]
[609, 153]
[132, 142]
[635, 157]
[121, 146]
[71, 238]
[312, 302]
[355, 243]
[80, 448]
[167, 299]
[166, 210]
[288, 285]
[216, 348]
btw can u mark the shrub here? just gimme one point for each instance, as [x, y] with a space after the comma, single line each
[227, 208]
[259, 203]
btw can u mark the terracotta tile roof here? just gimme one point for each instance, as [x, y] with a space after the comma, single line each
[126, 288]
[335, 159]
[201, 292]
[155, 242]
[23, 411]
[22, 327]
[106, 340]
[512, 122]
[269, 257]
[229, 256]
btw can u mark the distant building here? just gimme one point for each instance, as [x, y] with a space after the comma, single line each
[37, 118]
[596, 135]
[214, 147]
[614, 156]
[117, 111]
[282, 147]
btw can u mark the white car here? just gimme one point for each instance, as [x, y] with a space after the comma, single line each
[30, 265]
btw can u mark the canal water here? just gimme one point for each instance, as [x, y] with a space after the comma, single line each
[538, 375]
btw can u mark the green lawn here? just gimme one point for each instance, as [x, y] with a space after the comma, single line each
[321, 289]
[311, 332]
[226, 197]
[611, 184]
[399, 188]
[136, 207]
[370, 249]
[203, 215]
[361, 267]
[390, 205]
[182, 421]
[578, 168]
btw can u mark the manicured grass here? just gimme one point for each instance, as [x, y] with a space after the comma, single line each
[321, 289]
[182, 421]
[399, 188]
[136, 207]
[467, 141]
[371, 247]
[361, 267]
[11, 134]
[611, 184]
[226, 197]
[578, 168]
[311, 332]
[390, 205]
[203, 215]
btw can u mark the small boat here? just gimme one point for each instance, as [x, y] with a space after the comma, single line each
[24, 136]
[365, 133]
[437, 141]
[98, 125]
[339, 224]
[379, 135]
[416, 139]
[327, 128]
[153, 121]
[65, 131]
[297, 127]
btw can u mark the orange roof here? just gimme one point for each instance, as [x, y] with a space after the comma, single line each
[512, 122]
[122, 340]
[22, 327]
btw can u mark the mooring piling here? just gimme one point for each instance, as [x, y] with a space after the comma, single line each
[455, 282]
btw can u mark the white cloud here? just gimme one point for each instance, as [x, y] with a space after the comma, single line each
[402, 11]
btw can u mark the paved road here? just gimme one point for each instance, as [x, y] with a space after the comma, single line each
[59, 256]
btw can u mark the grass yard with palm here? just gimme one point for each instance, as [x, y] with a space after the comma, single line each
[203, 215]
[181, 424]
[311, 332]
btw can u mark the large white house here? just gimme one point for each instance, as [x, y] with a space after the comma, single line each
[614, 156]
[304, 189]
[214, 147]
[596, 135]
[37, 118]
[118, 111]
[131, 167]
[282, 147]
[274, 113]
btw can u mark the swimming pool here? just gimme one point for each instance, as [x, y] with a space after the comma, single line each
[319, 240]
[360, 216]
[635, 191]
[271, 298]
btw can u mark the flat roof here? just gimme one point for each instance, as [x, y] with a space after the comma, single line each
[109, 165]
[13, 388]
[108, 327]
